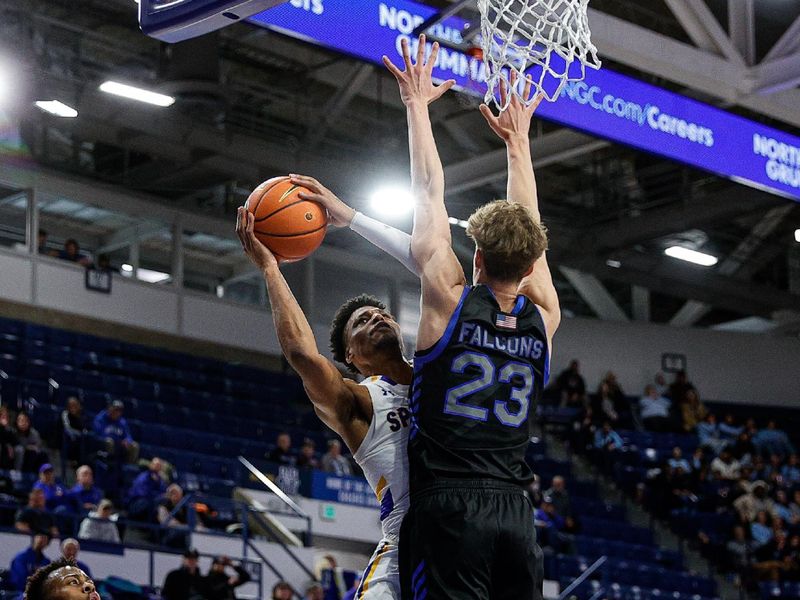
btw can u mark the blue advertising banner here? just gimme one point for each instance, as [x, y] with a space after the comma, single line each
[347, 490]
[605, 104]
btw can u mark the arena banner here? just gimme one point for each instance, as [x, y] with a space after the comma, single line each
[606, 104]
[332, 488]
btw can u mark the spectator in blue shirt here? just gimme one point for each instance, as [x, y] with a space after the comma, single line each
[773, 441]
[678, 462]
[111, 426]
[55, 494]
[728, 429]
[761, 529]
[27, 562]
[146, 489]
[709, 435]
[791, 471]
[654, 410]
[607, 439]
[85, 495]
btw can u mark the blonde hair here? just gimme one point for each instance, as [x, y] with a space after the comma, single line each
[509, 238]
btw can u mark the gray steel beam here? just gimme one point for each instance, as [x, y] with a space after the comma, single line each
[640, 300]
[130, 235]
[339, 102]
[492, 166]
[693, 311]
[704, 29]
[788, 43]
[742, 28]
[776, 75]
[594, 294]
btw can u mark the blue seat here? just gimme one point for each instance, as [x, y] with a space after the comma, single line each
[117, 385]
[36, 369]
[91, 380]
[64, 375]
[10, 364]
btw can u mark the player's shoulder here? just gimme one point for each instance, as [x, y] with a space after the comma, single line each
[382, 387]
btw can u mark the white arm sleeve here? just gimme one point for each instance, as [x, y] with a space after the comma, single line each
[392, 241]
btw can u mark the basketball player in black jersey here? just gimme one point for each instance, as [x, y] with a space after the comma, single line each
[482, 359]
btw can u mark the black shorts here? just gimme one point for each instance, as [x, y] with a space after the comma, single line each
[470, 540]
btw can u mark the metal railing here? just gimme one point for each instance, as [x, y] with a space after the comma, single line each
[583, 577]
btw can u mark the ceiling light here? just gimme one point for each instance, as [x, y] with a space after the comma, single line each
[127, 268]
[797, 235]
[614, 264]
[151, 276]
[135, 93]
[692, 256]
[59, 109]
[393, 201]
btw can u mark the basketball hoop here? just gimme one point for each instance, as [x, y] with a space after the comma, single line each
[545, 41]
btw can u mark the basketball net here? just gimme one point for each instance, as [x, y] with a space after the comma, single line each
[545, 41]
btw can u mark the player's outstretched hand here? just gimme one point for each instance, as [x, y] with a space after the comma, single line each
[515, 121]
[416, 84]
[339, 213]
[257, 252]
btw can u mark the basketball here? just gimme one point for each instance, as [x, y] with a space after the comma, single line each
[292, 228]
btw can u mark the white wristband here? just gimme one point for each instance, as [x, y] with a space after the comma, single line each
[394, 242]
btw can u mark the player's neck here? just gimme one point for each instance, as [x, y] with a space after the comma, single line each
[394, 366]
[504, 291]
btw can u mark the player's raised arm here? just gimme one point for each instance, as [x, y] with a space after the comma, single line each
[332, 396]
[513, 127]
[431, 243]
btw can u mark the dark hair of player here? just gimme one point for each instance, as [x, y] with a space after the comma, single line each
[34, 587]
[339, 323]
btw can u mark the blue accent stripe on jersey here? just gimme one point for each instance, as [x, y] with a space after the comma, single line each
[519, 305]
[421, 359]
[387, 380]
[547, 349]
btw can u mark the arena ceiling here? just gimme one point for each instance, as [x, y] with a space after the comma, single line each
[253, 104]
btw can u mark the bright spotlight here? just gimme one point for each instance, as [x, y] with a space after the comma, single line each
[692, 256]
[135, 93]
[797, 235]
[457, 222]
[127, 268]
[59, 109]
[392, 201]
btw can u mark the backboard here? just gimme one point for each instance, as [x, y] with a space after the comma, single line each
[178, 20]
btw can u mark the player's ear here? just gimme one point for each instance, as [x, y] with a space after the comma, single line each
[348, 356]
[478, 258]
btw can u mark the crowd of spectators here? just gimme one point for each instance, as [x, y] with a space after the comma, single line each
[188, 583]
[745, 475]
[333, 461]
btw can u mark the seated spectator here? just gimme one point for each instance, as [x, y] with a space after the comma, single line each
[41, 244]
[791, 471]
[85, 496]
[743, 449]
[306, 459]
[776, 558]
[782, 508]
[761, 529]
[55, 494]
[678, 462]
[314, 592]
[334, 462]
[679, 389]
[772, 470]
[73, 429]
[282, 591]
[27, 562]
[726, 467]
[186, 582]
[219, 585]
[559, 496]
[145, 491]
[552, 525]
[571, 385]
[111, 427]
[708, 434]
[693, 411]
[29, 453]
[33, 518]
[661, 384]
[70, 548]
[773, 441]
[654, 410]
[8, 441]
[740, 550]
[282, 453]
[99, 525]
[173, 513]
[604, 404]
[753, 502]
[72, 253]
[728, 429]
[607, 439]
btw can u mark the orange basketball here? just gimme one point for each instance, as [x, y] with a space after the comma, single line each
[286, 224]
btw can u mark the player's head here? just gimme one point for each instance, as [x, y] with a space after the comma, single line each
[60, 580]
[507, 242]
[362, 329]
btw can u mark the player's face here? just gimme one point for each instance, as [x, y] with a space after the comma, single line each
[70, 583]
[370, 328]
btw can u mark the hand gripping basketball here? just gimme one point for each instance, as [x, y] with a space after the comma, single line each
[255, 250]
